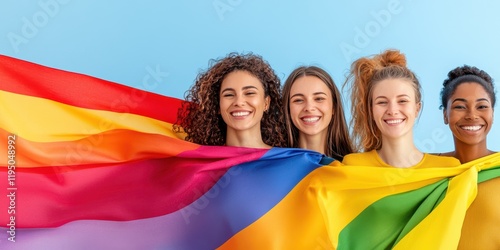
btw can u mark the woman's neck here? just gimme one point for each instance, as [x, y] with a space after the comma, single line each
[400, 153]
[246, 139]
[465, 152]
[313, 142]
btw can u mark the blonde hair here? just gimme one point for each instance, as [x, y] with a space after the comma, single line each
[365, 73]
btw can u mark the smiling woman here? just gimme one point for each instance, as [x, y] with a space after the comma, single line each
[314, 114]
[468, 100]
[386, 100]
[236, 102]
[242, 105]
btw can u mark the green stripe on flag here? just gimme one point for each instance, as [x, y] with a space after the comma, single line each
[385, 222]
[488, 174]
[382, 224]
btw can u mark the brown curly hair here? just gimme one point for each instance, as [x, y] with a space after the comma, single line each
[365, 73]
[338, 143]
[199, 117]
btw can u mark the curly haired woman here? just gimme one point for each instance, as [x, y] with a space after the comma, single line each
[236, 102]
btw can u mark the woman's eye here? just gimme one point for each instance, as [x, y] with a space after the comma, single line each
[459, 107]
[297, 100]
[483, 107]
[228, 95]
[403, 101]
[319, 99]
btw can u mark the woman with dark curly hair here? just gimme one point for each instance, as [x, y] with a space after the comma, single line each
[314, 114]
[468, 101]
[236, 102]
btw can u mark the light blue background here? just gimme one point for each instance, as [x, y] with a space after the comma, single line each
[171, 41]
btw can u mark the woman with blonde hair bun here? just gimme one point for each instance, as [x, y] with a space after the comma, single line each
[386, 100]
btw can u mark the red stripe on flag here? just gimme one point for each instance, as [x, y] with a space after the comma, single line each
[84, 91]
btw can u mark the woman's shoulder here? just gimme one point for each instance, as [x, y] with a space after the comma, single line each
[441, 160]
[362, 158]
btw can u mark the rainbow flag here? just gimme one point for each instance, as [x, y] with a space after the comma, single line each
[91, 164]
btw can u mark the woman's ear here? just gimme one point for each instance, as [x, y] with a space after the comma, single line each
[267, 103]
[445, 117]
[419, 108]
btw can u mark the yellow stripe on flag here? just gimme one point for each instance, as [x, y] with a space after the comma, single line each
[44, 120]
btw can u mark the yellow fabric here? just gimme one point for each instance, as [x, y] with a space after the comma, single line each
[372, 158]
[294, 223]
[329, 198]
[481, 222]
[481, 227]
[446, 218]
[72, 122]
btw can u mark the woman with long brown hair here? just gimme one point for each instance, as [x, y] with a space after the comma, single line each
[314, 114]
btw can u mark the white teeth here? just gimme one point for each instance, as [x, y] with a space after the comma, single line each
[310, 119]
[471, 128]
[241, 113]
[394, 121]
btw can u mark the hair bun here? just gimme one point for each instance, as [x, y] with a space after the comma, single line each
[392, 57]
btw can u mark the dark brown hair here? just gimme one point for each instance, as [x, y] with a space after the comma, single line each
[199, 117]
[463, 74]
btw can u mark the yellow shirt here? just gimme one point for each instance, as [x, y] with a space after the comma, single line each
[372, 158]
[481, 228]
